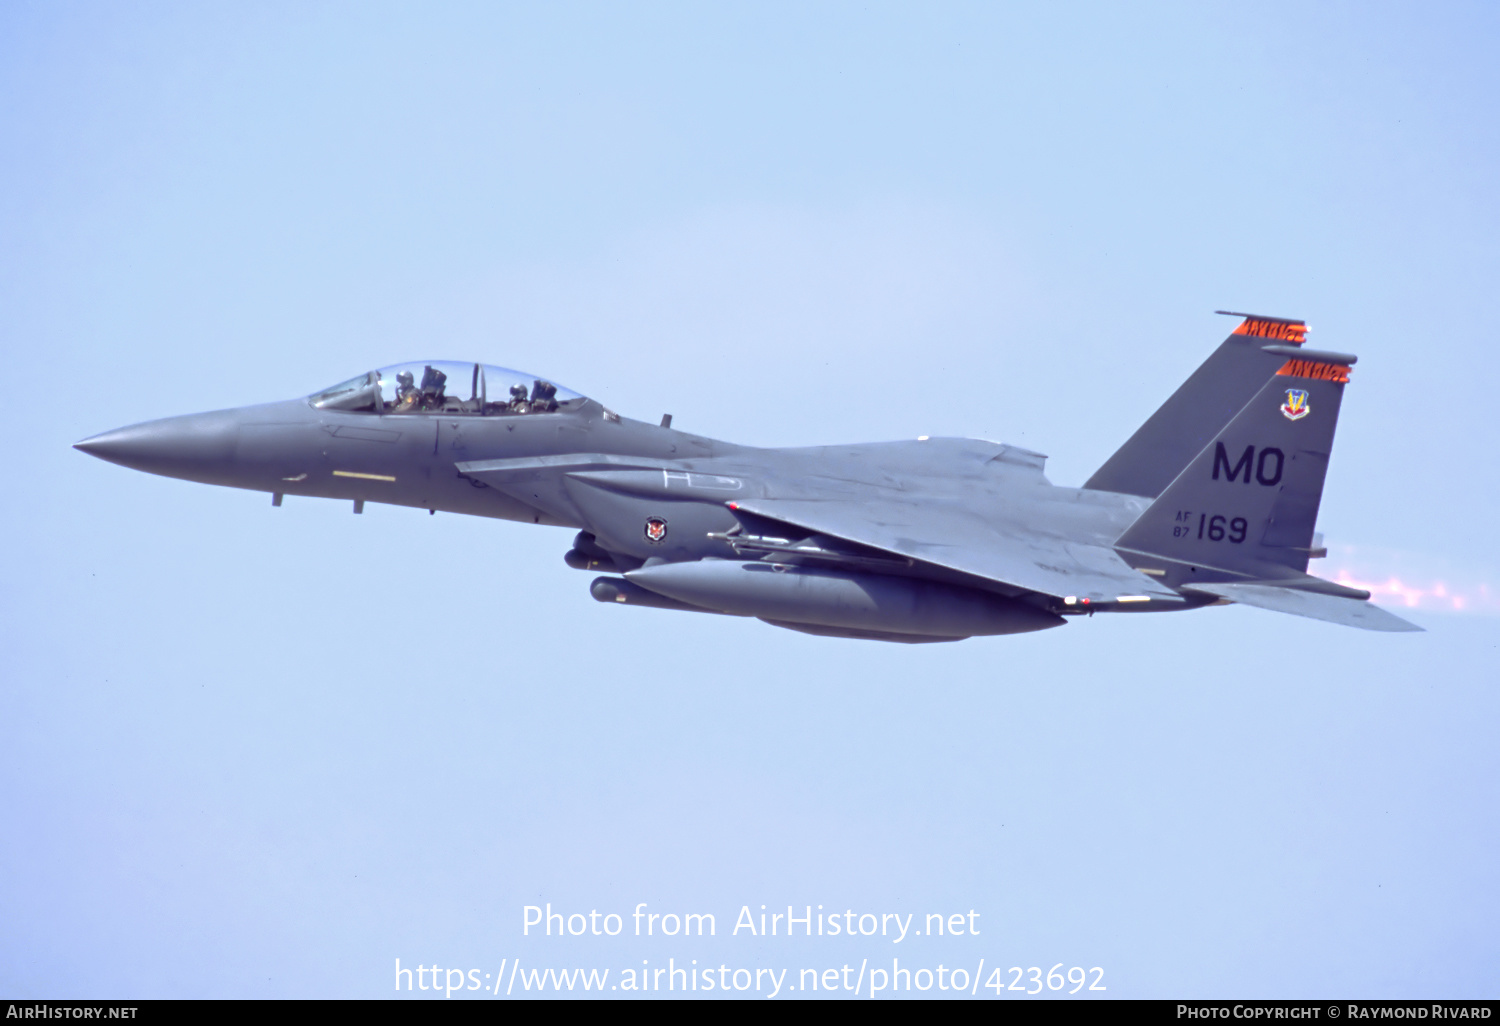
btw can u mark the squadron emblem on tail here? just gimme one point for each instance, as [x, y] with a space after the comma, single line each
[1296, 406]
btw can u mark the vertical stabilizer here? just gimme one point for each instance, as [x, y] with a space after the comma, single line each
[1249, 501]
[1199, 409]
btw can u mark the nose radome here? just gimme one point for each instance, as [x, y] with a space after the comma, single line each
[110, 445]
[194, 447]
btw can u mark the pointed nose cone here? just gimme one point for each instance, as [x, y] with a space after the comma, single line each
[114, 446]
[198, 447]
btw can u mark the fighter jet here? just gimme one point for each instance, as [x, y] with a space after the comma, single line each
[1214, 500]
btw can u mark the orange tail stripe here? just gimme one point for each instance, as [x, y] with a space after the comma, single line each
[1271, 329]
[1316, 371]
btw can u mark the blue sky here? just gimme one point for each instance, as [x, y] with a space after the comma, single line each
[235, 767]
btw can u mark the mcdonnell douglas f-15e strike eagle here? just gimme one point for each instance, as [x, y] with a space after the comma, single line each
[1212, 501]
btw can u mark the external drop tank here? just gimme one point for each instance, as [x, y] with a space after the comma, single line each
[831, 602]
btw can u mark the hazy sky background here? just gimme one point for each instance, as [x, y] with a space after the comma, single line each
[246, 753]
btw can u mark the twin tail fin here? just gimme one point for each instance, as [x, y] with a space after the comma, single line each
[1199, 409]
[1239, 520]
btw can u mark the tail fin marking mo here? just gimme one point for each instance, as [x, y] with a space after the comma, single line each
[1249, 501]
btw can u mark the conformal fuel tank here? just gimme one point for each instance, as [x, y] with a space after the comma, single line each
[830, 598]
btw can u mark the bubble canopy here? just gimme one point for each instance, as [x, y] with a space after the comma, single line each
[446, 387]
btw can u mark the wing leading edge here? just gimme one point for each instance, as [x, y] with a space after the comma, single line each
[971, 545]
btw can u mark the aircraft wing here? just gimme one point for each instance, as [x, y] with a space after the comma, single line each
[956, 539]
[1351, 612]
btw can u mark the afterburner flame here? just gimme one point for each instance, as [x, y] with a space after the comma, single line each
[1376, 571]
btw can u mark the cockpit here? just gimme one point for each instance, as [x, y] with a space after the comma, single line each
[447, 388]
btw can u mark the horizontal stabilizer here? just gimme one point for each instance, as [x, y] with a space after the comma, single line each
[1350, 612]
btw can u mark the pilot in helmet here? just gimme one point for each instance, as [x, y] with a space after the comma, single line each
[406, 391]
